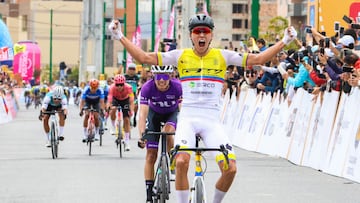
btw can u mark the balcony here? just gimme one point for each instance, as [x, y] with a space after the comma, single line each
[9, 9]
[297, 9]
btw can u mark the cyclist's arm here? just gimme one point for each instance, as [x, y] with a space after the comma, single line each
[45, 103]
[102, 104]
[110, 97]
[144, 110]
[64, 105]
[82, 104]
[140, 55]
[131, 101]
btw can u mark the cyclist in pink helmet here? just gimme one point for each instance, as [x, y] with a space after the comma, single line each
[121, 94]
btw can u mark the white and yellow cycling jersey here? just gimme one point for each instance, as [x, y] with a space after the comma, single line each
[202, 78]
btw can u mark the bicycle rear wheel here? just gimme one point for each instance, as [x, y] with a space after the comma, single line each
[198, 193]
[54, 144]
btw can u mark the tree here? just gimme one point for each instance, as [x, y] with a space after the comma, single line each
[275, 31]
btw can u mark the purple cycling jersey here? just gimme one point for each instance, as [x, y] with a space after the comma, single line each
[161, 102]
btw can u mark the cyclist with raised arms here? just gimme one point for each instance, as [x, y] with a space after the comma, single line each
[159, 103]
[93, 96]
[54, 100]
[121, 94]
[202, 71]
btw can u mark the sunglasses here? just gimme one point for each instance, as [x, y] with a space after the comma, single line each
[119, 85]
[57, 99]
[199, 30]
[162, 76]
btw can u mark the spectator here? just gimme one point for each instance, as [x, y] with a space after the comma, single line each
[261, 44]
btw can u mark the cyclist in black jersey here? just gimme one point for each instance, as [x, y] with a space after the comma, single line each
[133, 79]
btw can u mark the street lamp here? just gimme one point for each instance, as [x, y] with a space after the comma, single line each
[51, 36]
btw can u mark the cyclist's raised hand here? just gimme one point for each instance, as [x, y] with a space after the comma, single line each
[81, 113]
[115, 29]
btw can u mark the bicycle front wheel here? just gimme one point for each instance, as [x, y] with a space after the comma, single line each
[54, 144]
[199, 193]
[164, 180]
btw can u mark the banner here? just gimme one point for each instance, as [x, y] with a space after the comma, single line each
[27, 61]
[158, 35]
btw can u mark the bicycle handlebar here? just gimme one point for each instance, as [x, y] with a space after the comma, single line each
[52, 112]
[145, 134]
[221, 149]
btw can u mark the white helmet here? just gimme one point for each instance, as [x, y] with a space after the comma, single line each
[58, 92]
[161, 69]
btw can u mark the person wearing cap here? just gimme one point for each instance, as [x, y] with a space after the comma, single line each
[347, 41]
[160, 100]
[202, 71]
[133, 79]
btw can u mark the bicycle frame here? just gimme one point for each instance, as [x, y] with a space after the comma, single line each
[198, 192]
[161, 187]
[118, 130]
[54, 133]
[90, 127]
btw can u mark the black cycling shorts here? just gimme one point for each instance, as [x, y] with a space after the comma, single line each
[153, 123]
[125, 106]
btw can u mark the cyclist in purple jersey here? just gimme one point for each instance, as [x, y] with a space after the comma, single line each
[159, 103]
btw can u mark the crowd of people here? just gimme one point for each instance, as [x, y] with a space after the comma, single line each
[319, 63]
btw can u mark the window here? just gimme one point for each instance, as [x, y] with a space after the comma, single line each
[237, 23]
[246, 24]
[236, 37]
[237, 8]
[24, 23]
[240, 8]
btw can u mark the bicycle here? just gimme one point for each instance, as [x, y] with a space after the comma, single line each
[54, 132]
[91, 130]
[161, 189]
[119, 131]
[198, 192]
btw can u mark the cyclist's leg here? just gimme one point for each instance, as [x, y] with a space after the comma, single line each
[61, 123]
[113, 110]
[85, 122]
[97, 120]
[185, 137]
[125, 105]
[213, 136]
[152, 145]
[170, 126]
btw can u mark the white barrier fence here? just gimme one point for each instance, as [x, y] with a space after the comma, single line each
[323, 134]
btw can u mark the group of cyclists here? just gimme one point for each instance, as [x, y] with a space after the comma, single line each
[197, 91]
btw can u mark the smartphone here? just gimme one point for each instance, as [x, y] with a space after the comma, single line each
[327, 42]
[336, 26]
[342, 29]
[355, 26]
[347, 19]
[308, 29]
[347, 69]
[322, 51]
